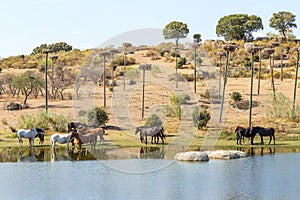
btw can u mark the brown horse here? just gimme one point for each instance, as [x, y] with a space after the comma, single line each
[88, 135]
[95, 131]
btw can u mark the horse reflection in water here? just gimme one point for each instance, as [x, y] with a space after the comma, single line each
[60, 155]
[152, 152]
[257, 150]
[33, 155]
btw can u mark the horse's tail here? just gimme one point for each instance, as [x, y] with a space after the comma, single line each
[13, 129]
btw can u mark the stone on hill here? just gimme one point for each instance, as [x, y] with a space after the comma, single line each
[13, 106]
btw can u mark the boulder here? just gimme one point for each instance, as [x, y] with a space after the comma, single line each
[132, 82]
[13, 106]
[226, 154]
[192, 156]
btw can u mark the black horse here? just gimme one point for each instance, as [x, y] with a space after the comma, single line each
[263, 132]
[241, 133]
[155, 132]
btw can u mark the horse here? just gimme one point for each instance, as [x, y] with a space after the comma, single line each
[263, 132]
[88, 137]
[77, 125]
[40, 134]
[30, 134]
[241, 133]
[154, 131]
[96, 131]
[61, 139]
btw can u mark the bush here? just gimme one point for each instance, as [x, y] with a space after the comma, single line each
[119, 60]
[132, 72]
[97, 116]
[45, 121]
[181, 62]
[153, 120]
[200, 118]
[173, 54]
[236, 96]
[173, 110]
[282, 108]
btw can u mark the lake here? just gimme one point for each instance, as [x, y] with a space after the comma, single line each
[152, 175]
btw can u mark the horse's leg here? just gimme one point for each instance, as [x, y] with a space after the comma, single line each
[145, 138]
[270, 139]
[274, 139]
[261, 140]
[162, 139]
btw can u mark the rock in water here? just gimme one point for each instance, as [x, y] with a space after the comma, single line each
[192, 156]
[226, 154]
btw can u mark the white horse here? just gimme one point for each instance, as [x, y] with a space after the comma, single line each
[30, 134]
[61, 139]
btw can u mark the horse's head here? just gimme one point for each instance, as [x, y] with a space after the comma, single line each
[137, 130]
[236, 128]
[74, 134]
[41, 137]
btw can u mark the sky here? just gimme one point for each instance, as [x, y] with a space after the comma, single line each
[91, 23]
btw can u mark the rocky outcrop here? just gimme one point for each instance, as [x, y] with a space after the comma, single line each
[192, 156]
[13, 106]
[206, 155]
[226, 154]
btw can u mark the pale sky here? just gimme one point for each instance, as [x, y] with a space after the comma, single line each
[83, 24]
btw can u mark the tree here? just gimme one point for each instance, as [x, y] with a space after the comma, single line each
[238, 26]
[175, 30]
[197, 38]
[56, 47]
[283, 21]
[26, 83]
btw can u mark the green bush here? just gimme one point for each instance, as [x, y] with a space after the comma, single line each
[132, 72]
[153, 120]
[181, 62]
[236, 96]
[119, 60]
[26, 122]
[200, 118]
[45, 121]
[97, 116]
[282, 108]
[173, 54]
[59, 123]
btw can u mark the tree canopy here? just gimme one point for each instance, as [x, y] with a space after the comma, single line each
[238, 26]
[26, 83]
[197, 38]
[283, 21]
[56, 47]
[175, 30]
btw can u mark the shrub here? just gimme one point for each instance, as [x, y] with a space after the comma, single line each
[206, 94]
[4, 121]
[59, 123]
[173, 110]
[236, 96]
[282, 108]
[181, 62]
[132, 72]
[173, 54]
[26, 121]
[153, 120]
[45, 121]
[97, 116]
[200, 118]
[119, 60]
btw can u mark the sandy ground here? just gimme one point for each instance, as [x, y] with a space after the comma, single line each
[156, 94]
